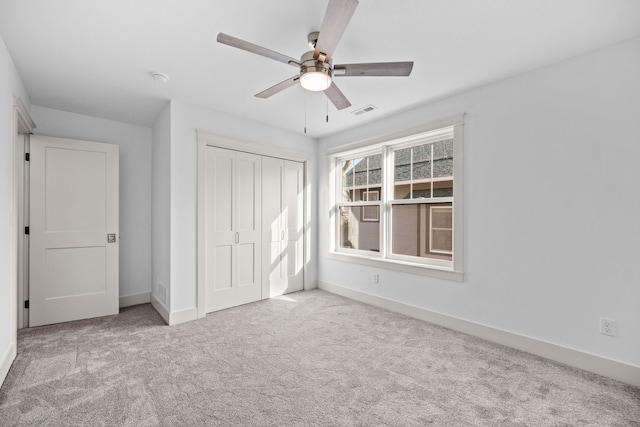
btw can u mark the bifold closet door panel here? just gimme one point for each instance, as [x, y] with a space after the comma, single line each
[219, 227]
[283, 217]
[248, 215]
[233, 228]
[293, 207]
[273, 223]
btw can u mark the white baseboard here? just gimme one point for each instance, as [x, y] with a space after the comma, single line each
[620, 371]
[177, 317]
[5, 363]
[137, 299]
[160, 308]
[313, 284]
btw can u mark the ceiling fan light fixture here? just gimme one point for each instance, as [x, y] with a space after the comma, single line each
[315, 75]
[315, 81]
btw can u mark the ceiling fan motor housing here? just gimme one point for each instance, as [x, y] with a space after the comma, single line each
[315, 75]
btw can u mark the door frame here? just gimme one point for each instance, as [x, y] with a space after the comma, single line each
[205, 139]
[23, 126]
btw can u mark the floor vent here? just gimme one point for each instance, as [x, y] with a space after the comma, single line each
[366, 109]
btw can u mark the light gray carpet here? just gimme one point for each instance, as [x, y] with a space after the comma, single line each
[312, 359]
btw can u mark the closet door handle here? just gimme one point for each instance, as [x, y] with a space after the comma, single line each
[282, 235]
[237, 237]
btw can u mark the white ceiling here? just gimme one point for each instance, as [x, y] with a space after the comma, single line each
[95, 57]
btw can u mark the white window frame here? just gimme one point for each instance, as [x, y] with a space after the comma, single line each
[447, 128]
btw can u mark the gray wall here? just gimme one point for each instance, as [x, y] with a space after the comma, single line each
[552, 236]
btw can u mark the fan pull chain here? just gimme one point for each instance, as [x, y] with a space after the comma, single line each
[327, 99]
[305, 114]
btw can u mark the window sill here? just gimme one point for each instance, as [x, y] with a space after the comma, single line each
[402, 266]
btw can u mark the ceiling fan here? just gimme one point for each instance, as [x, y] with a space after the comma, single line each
[316, 66]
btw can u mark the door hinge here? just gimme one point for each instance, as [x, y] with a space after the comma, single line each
[26, 304]
[26, 230]
[26, 157]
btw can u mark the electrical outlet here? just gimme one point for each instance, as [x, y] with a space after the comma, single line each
[608, 327]
[375, 278]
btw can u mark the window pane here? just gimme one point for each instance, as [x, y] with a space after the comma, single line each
[421, 190]
[346, 174]
[360, 175]
[443, 158]
[421, 162]
[375, 170]
[402, 191]
[360, 228]
[422, 230]
[443, 188]
[360, 167]
[402, 165]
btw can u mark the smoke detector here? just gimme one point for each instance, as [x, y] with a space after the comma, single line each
[159, 77]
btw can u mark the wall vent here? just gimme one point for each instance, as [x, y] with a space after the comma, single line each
[366, 109]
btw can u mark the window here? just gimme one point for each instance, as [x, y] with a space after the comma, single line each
[359, 204]
[399, 201]
[422, 184]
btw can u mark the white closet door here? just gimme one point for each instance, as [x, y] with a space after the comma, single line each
[233, 228]
[73, 230]
[219, 228]
[274, 282]
[248, 216]
[283, 261]
[292, 201]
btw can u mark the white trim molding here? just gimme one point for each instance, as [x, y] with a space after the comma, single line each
[160, 308]
[5, 363]
[172, 318]
[25, 122]
[137, 299]
[614, 369]
[182, 316]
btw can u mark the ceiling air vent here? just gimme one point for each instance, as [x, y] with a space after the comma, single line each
[366, 109]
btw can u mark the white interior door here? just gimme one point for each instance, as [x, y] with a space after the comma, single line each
[73, 230]
[283, 264]
[233, 226]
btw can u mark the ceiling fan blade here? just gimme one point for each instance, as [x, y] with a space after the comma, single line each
[336, 97]
[336, 19]
[278, 88]
[254, 48]
[374, 69]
